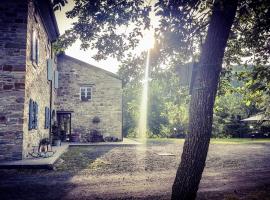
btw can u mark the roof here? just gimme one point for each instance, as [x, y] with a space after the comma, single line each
[46, 12]
[258, 117]
[63, 56]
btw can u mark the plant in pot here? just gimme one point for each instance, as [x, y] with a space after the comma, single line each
[56, 135]
[96, 120]
[44, 144]
[75, 137]
[95, 136]
[95, 133]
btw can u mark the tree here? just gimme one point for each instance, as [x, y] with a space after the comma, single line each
[202, 101]
[197, 29]
[167, 102]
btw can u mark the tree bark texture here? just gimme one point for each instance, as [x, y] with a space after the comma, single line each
[196, 145]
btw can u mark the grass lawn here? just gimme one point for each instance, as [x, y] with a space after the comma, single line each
[239, 140]
[232, 172]
[213, 140]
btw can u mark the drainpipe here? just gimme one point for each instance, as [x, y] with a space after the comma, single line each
[51, 90]
[50, 129]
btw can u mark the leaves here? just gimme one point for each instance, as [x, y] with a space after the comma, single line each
[105, 26]
[57, 4]
[115, 27]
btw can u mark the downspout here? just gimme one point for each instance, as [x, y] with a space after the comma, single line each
[50, 129]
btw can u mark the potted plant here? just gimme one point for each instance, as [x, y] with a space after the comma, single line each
[75, 137]
[44, 145]
[56, 136]
[96, 120]
[95, 136]
[95, 133]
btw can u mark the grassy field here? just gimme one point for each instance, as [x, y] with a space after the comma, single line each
[236, 169]
[239, 140]
[213, 140]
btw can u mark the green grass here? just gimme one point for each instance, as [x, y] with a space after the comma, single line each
[238, 140]
[213, 140]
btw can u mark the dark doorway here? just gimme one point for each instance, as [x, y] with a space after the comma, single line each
[64, 124]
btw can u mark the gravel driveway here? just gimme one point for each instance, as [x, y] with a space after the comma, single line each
[233, 171]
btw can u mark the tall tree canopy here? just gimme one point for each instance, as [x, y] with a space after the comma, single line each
[210, 32]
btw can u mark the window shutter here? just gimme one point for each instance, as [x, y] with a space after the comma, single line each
[36, 116]
[56, 79]
[30, 123]
[37, 50]
[49, 70]
[46, 115]
[35, 121]
[33, 48]
[49, 118]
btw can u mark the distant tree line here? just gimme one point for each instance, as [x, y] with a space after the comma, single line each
[169, 101]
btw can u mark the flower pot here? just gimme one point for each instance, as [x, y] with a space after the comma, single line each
[74, 138]
[57, 143]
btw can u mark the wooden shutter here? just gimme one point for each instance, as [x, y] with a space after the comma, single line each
[47, 117]
[33, 47]
[36, 116]
[56, 79]
[37, 50]
[30, 123]
[49, 69]
[35, 121]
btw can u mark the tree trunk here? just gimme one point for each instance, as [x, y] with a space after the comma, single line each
[196, 145]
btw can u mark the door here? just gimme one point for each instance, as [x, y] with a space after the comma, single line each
[64, 124]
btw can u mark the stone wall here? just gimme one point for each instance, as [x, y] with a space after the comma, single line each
[13, 30]
[106, 102]
[37, 87]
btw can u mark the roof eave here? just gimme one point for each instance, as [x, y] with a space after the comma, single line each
[46, 12]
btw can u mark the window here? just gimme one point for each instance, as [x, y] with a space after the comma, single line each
[35, 48]
[86, 93]
[33, 115]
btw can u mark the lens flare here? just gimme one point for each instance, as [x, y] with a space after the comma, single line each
[142, 128]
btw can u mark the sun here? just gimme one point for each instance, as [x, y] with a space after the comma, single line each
[148, 40]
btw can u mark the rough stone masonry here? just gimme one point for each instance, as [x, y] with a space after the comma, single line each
[27, 30]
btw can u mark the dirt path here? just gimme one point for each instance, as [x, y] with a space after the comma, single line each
[232, 172]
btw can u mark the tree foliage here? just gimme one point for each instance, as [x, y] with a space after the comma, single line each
[114, 27]
[168, 103]
[197, 30]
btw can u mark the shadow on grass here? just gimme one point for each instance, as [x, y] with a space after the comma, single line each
[36, 184]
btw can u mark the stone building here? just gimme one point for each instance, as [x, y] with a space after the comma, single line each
[27, 30]
[29, 81]
[86, 92]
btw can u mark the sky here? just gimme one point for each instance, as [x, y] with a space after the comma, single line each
[111, 64]
[64, 23]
